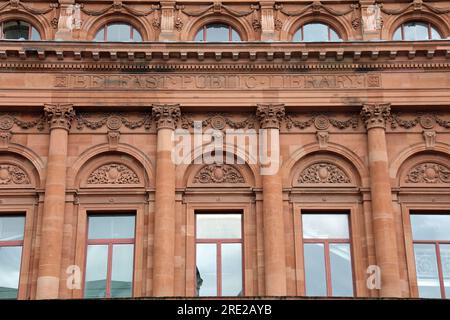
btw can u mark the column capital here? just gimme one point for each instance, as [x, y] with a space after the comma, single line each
[270, 115]
[59, 115]
[166, 115]
[375, 115]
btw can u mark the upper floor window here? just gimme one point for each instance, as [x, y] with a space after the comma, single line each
[327, 254]
[217, 33]
[415, 30]
[431, 237]
[11, 243]
[118, 32]
[316, 32]
[18, 30]
[219, 254]
[110, 256]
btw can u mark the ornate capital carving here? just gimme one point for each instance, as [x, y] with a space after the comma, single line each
[59, 115]
[113, 173]
[323, 172]
[218, 173]
[376, 115]
[166, 116]
[270, 115]
[428, 172]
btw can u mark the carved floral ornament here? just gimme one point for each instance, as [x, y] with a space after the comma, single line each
[323, 172]
[428, 172]
[113, 173]
[59, 115]
[13, 175]
[218, 173]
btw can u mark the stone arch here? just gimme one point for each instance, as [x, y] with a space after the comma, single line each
[240, 25]
[393, 22]
[294, 23]
[95, 157]
[248, 168]
[93, 25]
[41, 24]
[341, 157]
[418, 154]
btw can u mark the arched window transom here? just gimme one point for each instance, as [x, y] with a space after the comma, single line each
[18, 30]
[118, 32]
[316, 32]
[217, 32]
[416, 30]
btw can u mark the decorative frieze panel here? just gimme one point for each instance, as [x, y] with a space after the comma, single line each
[13, 175]
[426, 121]
[321, 122]
[323, 172]
[8, 121]
[113, 173]
[119, 6]
[428, 172]
[219, 121]
[113, 121]
[218, 173]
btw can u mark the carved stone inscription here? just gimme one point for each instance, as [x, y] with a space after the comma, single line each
[214, 82]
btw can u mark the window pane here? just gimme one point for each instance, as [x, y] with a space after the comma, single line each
[214, 226]
[206, 256]
[35, 34]
[427, 271]
[341, 270]
[11, 228]
[315, 32]
[231, 269]
[122, 270]
[199, 35]
[434, 34]
[136, 36]
[96, 271]
[415, 31]
[235, 36]
[19, 30]
[445, 260]
[111, 227]
[315, 273]
[217, 32]
[100, 36]
[10, 258]
[430, 227]
[118, 32]
[397, 34]
[325, 226]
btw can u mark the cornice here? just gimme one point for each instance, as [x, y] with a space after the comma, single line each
[245, 56]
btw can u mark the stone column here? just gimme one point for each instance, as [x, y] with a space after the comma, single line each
[375, 116]
[274, 233]
[59, 118]
[166, 117]
[267, 21]
[168, 32]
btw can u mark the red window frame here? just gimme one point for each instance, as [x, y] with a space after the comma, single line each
[326, 243]
[30, 29]
[207, 26]
[15, 243]
[218, 242]
[436, 244]
[429, 28]
[105, 28]
[109, 242]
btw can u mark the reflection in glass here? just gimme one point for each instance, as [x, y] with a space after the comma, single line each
[217, 33]
[206, 256]
[325, 226]
[118, 32]
[341, 270]
[11, 228]
[445, 261]
[10, 258]
[111, 227]
[96, 271]
[430, 226]
[315, 273]
[231, 269]
[427, 270]
[215, 226]
[316, 32]
[415, 31]
[122, 270]
[19, 30]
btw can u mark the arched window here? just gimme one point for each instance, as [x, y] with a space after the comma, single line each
[416, 30]
[18, 30]
[217, 32]
[118, 32]
[316, 32]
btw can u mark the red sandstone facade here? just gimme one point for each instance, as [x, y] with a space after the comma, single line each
[375, 112]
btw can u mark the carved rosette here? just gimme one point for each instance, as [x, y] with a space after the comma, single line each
[59, 115]
[323, 172]
[166, 116]
[218, 173]
[270, 116]
[428, 172]
[113, 173]
[11, 174]
[376, 115]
